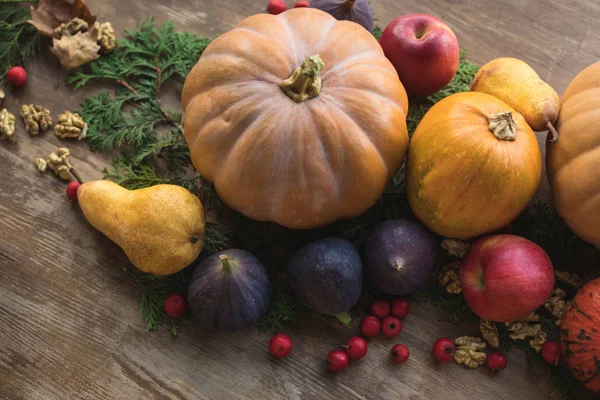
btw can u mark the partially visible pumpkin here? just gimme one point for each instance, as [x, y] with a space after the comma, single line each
[473, 166]
[574, 161]
[297, 118]
[358, 11]
[580, 335]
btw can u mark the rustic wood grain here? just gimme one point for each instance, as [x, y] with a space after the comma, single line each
[68, 310]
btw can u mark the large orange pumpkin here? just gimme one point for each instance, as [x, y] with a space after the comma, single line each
[573, 163]
[580, 335]
[297, 118]
[473, 166]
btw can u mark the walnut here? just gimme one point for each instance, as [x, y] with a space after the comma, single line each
[456, 247]
[1, 94]
[7, 123]
[557, 305]
[106, 36]
[449, 277]
[523, 329]
[42, 165]
[37, 118]
[575, 281]
[469, 351]
[59, 163]
[70, 126]
[489, 331]
[72, 27]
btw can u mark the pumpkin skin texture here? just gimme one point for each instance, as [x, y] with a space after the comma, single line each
[580, 335]
[300, 164]
[229, 291]
[573, 162]
[464, 182]
[358, 11]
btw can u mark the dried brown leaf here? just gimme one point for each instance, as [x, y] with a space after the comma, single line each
[50, 14]
[77, 50]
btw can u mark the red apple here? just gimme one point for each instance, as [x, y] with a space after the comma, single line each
[424, 51]
[505, 277]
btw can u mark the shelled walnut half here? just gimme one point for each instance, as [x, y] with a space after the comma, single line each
[37, 118]
[450, 279]
[470, 351]
[7, 123]
[70, 126]
[528, 328]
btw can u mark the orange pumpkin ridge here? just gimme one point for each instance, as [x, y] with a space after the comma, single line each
[580, 335]
[573, 162]
[298, 118]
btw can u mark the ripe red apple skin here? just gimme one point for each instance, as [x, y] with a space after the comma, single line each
[424, 51]
[505, 277]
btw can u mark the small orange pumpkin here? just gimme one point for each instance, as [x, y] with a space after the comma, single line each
[574, 161]
[580, 335]
[297, 118]
[473, 166]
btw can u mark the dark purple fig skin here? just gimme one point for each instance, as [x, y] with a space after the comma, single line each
[326, 275]
[360, 12]
[400, 256]
[229, 301]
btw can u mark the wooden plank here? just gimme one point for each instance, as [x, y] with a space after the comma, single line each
[68, 311]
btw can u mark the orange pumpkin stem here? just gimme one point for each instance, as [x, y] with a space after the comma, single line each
[227, 267]
[503, 126]
[304, 84]
[552, 132]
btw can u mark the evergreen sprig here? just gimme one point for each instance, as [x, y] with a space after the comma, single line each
[19, 40]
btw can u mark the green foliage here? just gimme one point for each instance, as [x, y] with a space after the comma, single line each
[282, 309]
[19, 40]
[377, 31]
[453, 307]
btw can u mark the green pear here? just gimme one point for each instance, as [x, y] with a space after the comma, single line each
[160, 228]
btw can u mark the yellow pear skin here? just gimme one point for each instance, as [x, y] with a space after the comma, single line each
[160, 228]
[516, 83]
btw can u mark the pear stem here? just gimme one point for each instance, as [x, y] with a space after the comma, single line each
[345, 318]
[552, 131]
[77, 176]
[503, 126]
[227, 267]
[304, 83]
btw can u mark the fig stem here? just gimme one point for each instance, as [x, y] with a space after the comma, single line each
[345, 318]
[304, 83]
[552, 131]
[227, 267]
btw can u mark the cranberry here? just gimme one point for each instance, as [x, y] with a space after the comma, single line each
[280, 345]
[391, 326]
[551, 352]
[337, 360]
[400, 308]
[356, 347]
[497, 361]
[72, 190]
[380, 308]
[17, 76]
[370, 326]
[276, 7]
[443, 349]
[176, 305]
[399, 353]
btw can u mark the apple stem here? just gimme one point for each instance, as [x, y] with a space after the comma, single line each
[503, 126]
[552, 131]
[304, 83]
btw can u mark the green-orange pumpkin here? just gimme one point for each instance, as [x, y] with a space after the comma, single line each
[282, 155]
[580, 335]
[473, 166]
[573, 163]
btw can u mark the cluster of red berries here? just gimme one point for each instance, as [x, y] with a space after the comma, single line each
[444, 349]
[276, 7]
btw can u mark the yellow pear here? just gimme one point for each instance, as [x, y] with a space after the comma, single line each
[160, 228]
[517, 84]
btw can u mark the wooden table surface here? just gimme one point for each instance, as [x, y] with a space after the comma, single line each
[69, 327]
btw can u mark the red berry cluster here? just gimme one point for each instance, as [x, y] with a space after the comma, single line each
[276, 7]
